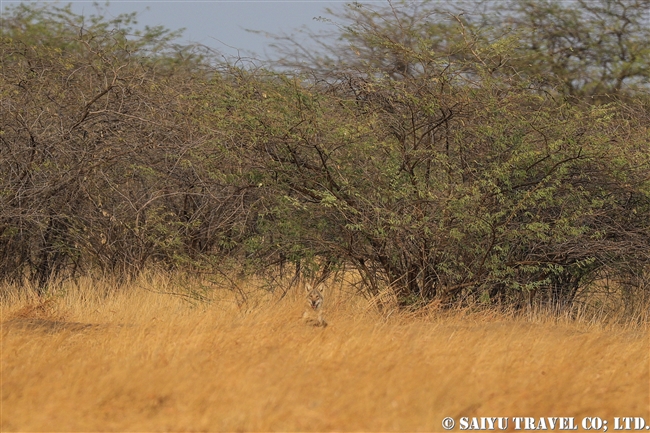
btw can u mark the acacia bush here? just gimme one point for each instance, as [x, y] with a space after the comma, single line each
[456, 184]
[428, 158]
[587, 49]
[99, 168]
[441, 158]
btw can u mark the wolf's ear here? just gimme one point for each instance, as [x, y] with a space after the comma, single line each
[307, 287]
[320, 287]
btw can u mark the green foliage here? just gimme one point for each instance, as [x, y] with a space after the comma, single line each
[97, 171]
[426, 153]
[459, 171]
[594, 49]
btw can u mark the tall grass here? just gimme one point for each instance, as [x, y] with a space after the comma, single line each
[96, 358]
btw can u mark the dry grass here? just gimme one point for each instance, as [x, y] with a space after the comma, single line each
[140, 361]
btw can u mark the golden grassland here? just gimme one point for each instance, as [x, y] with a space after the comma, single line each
[136, 360]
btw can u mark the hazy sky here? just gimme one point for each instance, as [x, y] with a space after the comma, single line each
[219, 23]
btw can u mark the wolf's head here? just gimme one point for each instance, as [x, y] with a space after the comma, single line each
[314, 296]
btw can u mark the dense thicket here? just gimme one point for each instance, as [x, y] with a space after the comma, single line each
[104, 166]
[439, 155]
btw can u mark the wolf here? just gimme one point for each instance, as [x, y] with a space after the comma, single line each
[313, 315]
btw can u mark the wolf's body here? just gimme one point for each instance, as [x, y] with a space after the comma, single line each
[313, 315]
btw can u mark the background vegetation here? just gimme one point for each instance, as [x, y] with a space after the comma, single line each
[500, 159]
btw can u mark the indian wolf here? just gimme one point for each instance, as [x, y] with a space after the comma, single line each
[313, 315]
